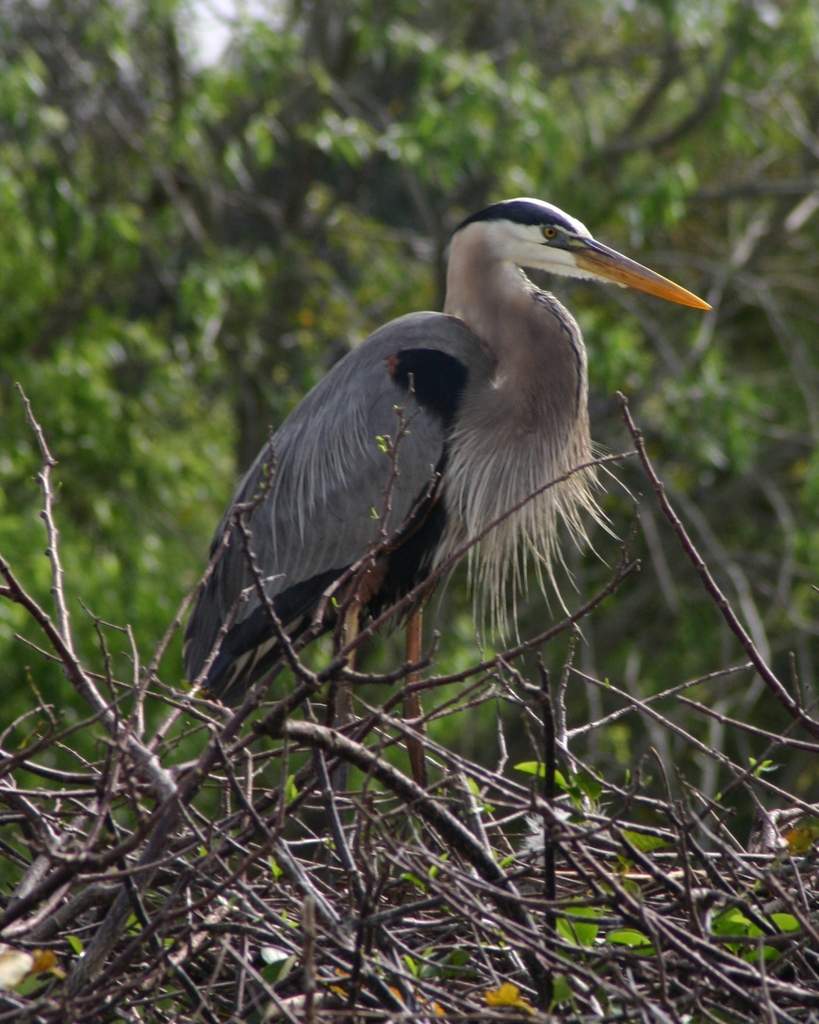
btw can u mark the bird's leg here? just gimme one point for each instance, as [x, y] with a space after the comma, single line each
[344, 698]
[343, 710]
[412, 701]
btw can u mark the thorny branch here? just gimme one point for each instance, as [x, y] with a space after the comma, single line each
[47, 515]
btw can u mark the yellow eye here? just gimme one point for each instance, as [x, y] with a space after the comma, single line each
[549, 232]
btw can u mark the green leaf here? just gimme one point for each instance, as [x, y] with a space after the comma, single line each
[539, 768]
[75, 944]
[643, 842]
[632, 887]
[785, 922]
[589, 785]
[762, 767]
[411, 964]
[730, 922]
[561, 990]
[459, 957]
[751, 956]
[276, 967]
[628, 937]
[579, 932]
[414, 880]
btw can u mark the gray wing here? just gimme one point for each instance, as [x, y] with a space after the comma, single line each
[329, 475]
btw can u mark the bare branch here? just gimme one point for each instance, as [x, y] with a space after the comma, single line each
[736, 627]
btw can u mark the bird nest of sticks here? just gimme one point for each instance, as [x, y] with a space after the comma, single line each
[256, 864]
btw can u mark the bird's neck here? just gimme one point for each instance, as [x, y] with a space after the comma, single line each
[482, 291]
[540, 369]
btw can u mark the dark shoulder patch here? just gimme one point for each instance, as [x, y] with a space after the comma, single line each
[438, 379]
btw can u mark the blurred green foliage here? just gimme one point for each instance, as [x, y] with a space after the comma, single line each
[186, 247]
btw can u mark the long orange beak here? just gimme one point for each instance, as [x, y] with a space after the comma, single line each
[599, 259]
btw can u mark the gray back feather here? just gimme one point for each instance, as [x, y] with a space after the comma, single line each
[330, 473]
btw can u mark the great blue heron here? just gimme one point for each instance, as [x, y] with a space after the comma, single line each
[495, 388]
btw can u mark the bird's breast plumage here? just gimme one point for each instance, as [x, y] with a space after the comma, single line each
[519, 429]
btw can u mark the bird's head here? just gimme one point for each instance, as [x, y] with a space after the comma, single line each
[532, 233]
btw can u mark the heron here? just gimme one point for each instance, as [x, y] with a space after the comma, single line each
[495, 392]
